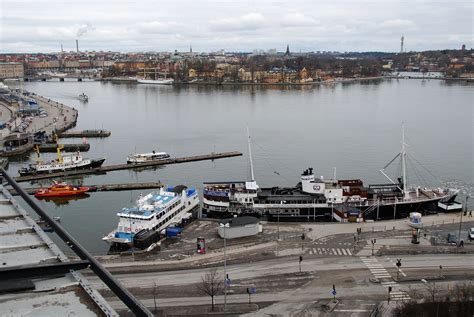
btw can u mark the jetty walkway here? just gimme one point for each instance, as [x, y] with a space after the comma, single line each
[117, 167]
[102, 188]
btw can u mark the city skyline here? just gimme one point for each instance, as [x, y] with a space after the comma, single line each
[241, 26]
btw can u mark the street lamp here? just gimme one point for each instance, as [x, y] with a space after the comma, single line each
[227, 225]
[463, 210]
[278, 221]
[332, 207]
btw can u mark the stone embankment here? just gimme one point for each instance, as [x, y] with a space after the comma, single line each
[59, 116]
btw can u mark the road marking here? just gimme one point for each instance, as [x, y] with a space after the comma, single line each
[339, 252]
[352, 310]
[349, 252]
[389, 283]
[334, 251]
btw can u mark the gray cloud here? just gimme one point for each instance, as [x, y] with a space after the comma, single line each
[240, 25]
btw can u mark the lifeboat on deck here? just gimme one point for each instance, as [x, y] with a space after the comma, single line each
[61, 190]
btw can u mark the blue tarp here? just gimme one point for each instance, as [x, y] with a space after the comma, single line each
[173, 231]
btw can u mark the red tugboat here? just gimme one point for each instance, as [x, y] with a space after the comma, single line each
[61, 190]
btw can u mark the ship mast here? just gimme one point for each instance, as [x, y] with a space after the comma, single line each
[250, 157]
[404, 164]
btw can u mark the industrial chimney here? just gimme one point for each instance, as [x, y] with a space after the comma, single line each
[77, 46]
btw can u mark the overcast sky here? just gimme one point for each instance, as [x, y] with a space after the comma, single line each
[236, 25]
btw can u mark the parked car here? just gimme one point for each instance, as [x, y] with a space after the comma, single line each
[471, 234]
[452, 238]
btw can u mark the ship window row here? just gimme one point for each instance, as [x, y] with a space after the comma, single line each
[279, 202]
[165, 220]
[282, 211]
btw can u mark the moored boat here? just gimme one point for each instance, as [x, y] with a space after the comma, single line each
[61, 190]
[64, 162]
[319, 199]
[163, 81]
[147, 157]
[152, 213]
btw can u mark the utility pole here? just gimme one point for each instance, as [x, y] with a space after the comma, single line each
[301, 260]
[302, 240]
[226, 277]
[463, 210]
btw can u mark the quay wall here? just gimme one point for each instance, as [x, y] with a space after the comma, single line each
[60, 116]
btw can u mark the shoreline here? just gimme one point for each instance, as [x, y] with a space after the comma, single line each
[210, 83]
[60, 116]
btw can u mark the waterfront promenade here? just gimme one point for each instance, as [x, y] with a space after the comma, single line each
[60, 117]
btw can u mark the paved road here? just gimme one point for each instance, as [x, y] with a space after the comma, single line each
[298, 292]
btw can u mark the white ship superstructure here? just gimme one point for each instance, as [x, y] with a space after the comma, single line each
[163, 81]
[153, 212]
[64, 162]
[147, 157]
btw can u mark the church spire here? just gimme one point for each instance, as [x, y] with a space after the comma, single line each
[287, 50]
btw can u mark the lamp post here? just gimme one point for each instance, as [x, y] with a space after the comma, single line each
[278, 219]
[332, 207]
[463, 210]
[225, 264]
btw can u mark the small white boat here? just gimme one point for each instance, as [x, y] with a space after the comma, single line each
[83, 97]
[147, 157]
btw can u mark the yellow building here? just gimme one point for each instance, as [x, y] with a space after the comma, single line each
[192, 73]
[11, 70]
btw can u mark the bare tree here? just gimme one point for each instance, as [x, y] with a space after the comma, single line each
[211, 284]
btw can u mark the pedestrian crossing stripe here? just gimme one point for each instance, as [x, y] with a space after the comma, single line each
[330, 251]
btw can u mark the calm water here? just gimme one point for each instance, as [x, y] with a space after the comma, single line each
[355, 127]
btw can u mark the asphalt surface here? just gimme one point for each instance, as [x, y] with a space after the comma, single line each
[273, 267]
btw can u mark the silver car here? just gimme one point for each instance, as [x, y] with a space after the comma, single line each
[471, 234]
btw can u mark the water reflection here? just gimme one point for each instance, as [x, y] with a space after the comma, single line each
[61, 201]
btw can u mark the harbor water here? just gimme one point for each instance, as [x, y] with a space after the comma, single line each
[355, 127]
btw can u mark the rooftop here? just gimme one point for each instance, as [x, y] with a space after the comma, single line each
[240, 221]
[35, 274]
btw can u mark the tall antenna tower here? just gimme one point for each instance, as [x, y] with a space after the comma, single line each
[401, 44]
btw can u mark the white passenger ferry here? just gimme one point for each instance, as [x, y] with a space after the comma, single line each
[153, 213]
[147, 157]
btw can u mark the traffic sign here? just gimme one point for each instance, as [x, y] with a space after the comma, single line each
[333, 292]
[252, 290]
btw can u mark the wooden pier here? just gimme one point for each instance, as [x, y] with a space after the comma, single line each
[117, 167]
[85, 133]
[102, 188]
[51, 147]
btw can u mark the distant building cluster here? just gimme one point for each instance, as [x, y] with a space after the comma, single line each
[259, 66]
